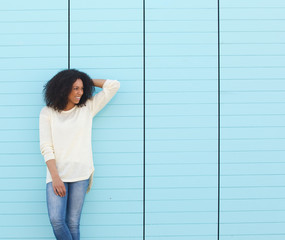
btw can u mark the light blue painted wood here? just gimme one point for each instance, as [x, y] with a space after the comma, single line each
[252, 118]
[181, 116]
[33, 48]
[181, 121]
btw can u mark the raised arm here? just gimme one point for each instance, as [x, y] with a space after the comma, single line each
[99, 100]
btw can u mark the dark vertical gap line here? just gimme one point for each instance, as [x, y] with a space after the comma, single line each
[219, 126]
[143, 119]
[68, 35]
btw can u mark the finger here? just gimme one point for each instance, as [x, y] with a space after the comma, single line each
[64, 191]
[55, 191]
[59, 190]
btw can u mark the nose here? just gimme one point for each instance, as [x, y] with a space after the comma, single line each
[80, 92]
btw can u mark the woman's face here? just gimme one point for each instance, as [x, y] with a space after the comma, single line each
[76, 92]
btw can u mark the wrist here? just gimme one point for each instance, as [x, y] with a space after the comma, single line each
[55, 177]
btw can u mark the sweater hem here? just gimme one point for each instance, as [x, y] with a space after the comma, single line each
[74, 179]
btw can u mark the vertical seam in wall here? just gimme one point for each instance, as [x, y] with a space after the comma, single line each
[143, 119]
[219, 129]
[68, 34]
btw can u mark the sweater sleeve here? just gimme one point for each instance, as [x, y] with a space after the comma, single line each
[46, 144]
[99, 100]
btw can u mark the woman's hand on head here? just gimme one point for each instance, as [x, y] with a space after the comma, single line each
[58, 187]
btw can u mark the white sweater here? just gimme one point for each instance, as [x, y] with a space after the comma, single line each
[66, 136]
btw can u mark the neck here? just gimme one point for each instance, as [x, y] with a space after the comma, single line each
[69, 106]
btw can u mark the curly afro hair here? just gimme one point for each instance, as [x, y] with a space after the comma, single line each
[57, 89]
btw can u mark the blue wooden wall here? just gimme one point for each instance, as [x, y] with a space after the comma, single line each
[180, 138]
[252, 120]
[33, 48]
[181, 120]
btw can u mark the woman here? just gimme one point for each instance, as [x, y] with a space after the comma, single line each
[65, 142]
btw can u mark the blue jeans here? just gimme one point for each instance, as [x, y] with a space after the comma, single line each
[64, 212]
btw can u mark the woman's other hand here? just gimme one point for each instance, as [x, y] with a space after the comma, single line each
[57, 184]
[58, 187]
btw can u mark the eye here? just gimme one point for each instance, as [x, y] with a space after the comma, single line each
[77, 88]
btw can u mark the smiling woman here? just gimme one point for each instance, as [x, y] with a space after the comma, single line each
[65, 142]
